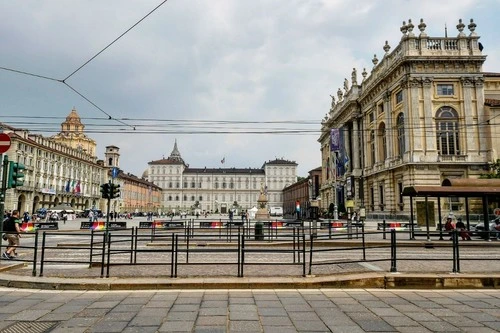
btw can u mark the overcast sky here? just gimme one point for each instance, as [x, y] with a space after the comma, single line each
[241, 63]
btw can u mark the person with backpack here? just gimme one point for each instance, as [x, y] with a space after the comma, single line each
[12, 229]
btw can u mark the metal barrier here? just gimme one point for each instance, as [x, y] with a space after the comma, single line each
[34, 248]
[176, 248]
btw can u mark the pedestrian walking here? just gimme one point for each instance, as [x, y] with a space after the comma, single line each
[64, 216]
[13, 230]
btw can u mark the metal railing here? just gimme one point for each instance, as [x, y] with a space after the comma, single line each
[301, 247]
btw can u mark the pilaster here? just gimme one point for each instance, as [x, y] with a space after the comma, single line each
[469, 128]
[388, 125]
[428, 136]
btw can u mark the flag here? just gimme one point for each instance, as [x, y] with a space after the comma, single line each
[333, 168]
[223, 160]
[67, 186]
[73, 186]
[334, 139]
[77, 188]
[346, 161]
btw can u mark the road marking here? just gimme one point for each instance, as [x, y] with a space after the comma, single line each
[370, 266]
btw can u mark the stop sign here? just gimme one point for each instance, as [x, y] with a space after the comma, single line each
[4, 143]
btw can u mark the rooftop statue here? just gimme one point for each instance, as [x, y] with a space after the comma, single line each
[333, 100]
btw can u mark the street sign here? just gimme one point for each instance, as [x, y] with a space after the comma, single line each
[4, 142]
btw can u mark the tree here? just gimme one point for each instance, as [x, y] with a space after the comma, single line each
[494, 169]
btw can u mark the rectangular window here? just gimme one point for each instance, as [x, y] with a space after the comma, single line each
[380, 108]
[371, 117]
[399, 97]
[445, 89]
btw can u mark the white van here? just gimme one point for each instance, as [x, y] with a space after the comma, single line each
[276, 211]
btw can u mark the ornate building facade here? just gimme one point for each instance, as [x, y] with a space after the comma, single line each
[218, 189]
[72, 134]
[54, 173]
[64, 169]
[417, 117]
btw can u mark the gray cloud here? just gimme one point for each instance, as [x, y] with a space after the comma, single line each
[207, 60]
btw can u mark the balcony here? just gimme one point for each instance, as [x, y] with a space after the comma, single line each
[452, 158]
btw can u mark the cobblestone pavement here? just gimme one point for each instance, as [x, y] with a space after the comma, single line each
[294, 310]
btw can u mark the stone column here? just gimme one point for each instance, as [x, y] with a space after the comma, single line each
[375, 141]
[347, 146]
[413, 119]
[428, 135]
[355, 146]
[389, 137]
[482, 117]
[406, 117]
[469, 128]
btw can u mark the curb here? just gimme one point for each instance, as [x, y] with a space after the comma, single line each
[368, 280]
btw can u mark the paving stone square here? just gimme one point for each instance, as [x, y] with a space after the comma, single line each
[304, 310]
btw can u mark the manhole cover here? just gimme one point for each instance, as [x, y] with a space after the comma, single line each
[30, 327]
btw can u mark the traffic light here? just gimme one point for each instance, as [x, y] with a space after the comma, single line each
[115, 191]
[106, 191]
[16, 175]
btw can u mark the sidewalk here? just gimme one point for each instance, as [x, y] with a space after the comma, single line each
[410, 273]
[412, 270]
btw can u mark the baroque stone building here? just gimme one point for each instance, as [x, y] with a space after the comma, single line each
[423, 113]
[64, 169]
[54, 173]
[218, 189]
[72, 134]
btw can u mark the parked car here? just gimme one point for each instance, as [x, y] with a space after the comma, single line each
[478, 229]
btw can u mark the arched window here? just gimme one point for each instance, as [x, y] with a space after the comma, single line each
[400, 124]
[382, 142]
[447, 131]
